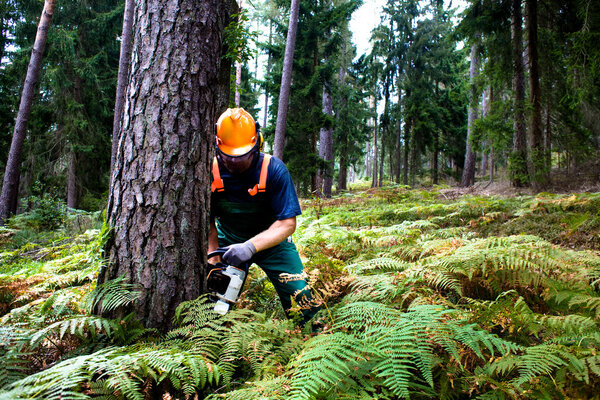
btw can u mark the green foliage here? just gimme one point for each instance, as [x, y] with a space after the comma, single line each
[47, 213]
[237, 37]
[421, 302]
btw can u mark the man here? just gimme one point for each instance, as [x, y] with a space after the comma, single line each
[255, 205]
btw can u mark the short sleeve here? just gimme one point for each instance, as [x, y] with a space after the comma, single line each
[280, 188]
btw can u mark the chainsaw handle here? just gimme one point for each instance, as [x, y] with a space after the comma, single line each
[218, 252]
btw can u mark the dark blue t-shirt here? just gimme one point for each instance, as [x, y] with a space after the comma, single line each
[243, 216]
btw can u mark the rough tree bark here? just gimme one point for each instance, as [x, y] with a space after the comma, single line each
[160, 197]
[286, 80]
[537, 164]
[518, 160]
[122, 76]
[10, 186]
[468, 175]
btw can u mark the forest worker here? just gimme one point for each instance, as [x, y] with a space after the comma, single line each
[255, 206]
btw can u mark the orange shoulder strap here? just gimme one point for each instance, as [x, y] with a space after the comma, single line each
[217, 184]
[261, 186]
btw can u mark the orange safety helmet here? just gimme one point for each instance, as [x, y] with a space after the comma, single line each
[237, 133]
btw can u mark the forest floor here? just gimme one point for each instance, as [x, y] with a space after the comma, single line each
[443, 292]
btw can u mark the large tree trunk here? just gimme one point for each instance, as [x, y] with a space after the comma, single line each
[518, 160]
[10, 186]
[160, 197]
[468, 175]
[122, 76]
[286, 80]
[538, 171]
[325, 175]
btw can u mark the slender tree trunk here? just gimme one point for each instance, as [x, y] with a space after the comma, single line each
[548, 138]
[485, 104]
[286, 80]
[72, 179]
[325, 176]
[413, 156]
[399, 138]
[122, 76]
[255, 82]
[468, 175]
[407, 144]
[538, 171]
[3, 32]
[375, 145]
[368, 158]
[381, 159]
[266, 108]
[238, 83]
[343, 173]
[10, 186]
[518, 160]
[238, 72]
[436, 149]
[491, 161]
[435, 161]
[159, 202]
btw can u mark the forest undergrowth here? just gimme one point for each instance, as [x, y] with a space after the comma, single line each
[425, 297]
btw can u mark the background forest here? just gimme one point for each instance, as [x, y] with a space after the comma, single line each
[430, 290]
[401, 112]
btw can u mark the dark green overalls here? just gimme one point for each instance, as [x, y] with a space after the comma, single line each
[240, 216]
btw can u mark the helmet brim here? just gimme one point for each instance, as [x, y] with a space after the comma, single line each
[235, 151]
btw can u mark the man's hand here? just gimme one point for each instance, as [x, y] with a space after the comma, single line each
[239, 253]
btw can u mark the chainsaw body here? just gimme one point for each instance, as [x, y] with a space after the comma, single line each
[225, 283]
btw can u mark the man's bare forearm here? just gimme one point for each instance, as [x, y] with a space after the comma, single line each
[277, 233]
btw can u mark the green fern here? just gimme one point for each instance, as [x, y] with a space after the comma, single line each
[325, 364]
[112, 295]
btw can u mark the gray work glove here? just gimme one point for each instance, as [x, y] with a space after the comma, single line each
[239, 253]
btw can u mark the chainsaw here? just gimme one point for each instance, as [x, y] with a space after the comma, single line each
[225, 282]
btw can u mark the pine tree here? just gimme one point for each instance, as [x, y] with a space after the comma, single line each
[286, 80]
[123, 75]
[160, 188]
[10, 186]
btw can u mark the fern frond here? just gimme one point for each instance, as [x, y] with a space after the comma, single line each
[540, 360]
[271, 389]
[112, 295]
[79, 326]
[324, 364]
[383, 264]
